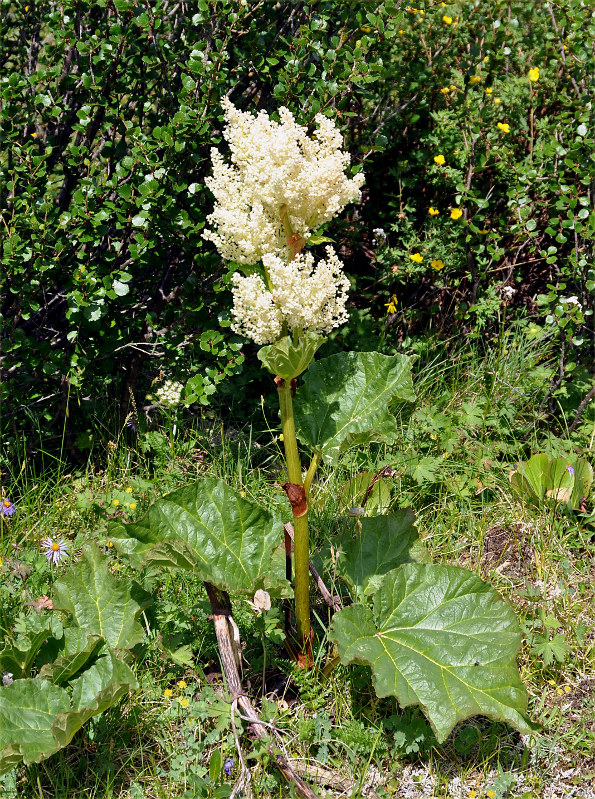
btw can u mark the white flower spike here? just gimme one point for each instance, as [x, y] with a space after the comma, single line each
[281, 181]
[303, 297]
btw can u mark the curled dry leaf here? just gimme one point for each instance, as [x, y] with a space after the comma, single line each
[42, 603]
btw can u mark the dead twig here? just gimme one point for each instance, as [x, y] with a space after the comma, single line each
[221, 613]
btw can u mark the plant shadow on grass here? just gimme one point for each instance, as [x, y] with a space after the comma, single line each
[476, 743]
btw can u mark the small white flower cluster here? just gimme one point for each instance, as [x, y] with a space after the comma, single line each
[302, 297]
[379, 236]
[169, 393]
[507, 293]
[571, 301]
[280, 178]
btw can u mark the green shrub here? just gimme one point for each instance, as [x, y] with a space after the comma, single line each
[108, 113]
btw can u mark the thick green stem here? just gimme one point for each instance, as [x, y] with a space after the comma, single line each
[300, 523]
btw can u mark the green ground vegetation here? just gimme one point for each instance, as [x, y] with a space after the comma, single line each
[475, 416]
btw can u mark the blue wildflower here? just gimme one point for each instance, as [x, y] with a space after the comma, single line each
[7, 508]
[228, 766]
[570, 470]
[54, 550]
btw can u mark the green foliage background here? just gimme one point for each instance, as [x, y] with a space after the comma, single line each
[108, 111]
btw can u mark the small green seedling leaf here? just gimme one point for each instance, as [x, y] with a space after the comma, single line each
[360, 490]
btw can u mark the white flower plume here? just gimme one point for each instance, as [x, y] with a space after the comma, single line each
[276, 168]
[303, 297]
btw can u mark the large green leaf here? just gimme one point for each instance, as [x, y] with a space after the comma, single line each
[75, 649]
[18, 656]
[99, 603]
[344, 400]
[384, 543]
[97, 689]
[210, 528]
[37, 718]
[28, 709]
[440, 637]
[287, 357]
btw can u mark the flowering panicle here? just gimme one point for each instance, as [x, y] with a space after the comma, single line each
[303, 297]
[279, 178]
[169, 393]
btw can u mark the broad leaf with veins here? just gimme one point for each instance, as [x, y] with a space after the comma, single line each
[344, 400]
[440, 637]
[210, 528]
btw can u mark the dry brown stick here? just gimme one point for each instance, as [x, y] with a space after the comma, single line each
[332, 601]
[580, 409]
[221, 611]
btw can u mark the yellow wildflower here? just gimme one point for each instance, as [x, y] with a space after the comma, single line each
[453, 88]
[391, 305]
[486, 59]
[445, 90]
[447, 20]
[181, 683]
[532, 330]
[497, 100]
[167, 693]
[401, 31]
[34, 135]
[474, 79]
[488, 90]
[242, 493]
[472, 794]
[416, 257]
[109, 544]
[440, 160]
[184, 702]
[534, 74]
[560, 692]
[456, 213]
[433, 211]
[567, 689]
[438, 264]
[366, 30]
[483, 232]
[1, 562]
[116, 502]
[504, 127]
[129, 490]
[281, 437]
[446, 454]
[491, 793]
[132, 506]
